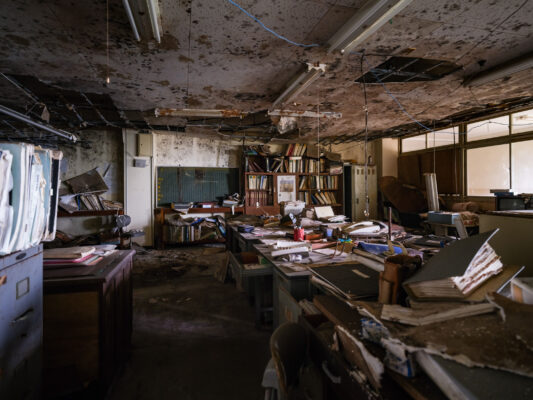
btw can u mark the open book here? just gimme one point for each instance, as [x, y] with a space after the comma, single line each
[457, 270]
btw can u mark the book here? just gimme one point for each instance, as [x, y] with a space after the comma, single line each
[68, 252]
[456, 270]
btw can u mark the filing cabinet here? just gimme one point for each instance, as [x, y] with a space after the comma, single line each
[21, 324]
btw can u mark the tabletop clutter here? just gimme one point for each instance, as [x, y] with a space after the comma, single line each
[407, 303]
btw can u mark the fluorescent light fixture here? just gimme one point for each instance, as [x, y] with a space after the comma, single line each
[153, 10]
[131, 19]
[372, 16]
[300, 83]
[196, 112]
[305, 114]
[37, 124]
[501, 71]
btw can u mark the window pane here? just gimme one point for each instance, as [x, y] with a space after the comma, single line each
[522, 122]
[487, 168]
[522, 166]
[487, 129]
[443, 137]
[414, 143]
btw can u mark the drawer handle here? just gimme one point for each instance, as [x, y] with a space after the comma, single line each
[333, 378]
[24, 316]
[21, 256]
[3, 280]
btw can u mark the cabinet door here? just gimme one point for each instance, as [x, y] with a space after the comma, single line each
[21, 328]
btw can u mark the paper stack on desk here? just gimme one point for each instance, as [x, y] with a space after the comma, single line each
[70, 257]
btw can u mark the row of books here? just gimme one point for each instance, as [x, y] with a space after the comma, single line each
[263, 198]
[319, 198]
[292, 164]
[259, 182]
[295, 149]
[319, 182]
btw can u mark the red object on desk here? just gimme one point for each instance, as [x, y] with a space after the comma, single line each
[299, 234]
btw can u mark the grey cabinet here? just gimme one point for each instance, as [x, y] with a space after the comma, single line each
[21, 324]
[288, 290]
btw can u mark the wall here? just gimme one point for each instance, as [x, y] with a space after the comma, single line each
[387, 157]
[105, 153]
[355, 152]
[176, 149]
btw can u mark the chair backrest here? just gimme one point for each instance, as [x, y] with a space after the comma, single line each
[288, 346]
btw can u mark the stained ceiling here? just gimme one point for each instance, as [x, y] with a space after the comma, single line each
[213, 56]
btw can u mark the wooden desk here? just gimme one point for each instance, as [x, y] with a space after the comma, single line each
[161, 212]
[87, 324]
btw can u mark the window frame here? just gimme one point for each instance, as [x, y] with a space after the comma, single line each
[465, 145]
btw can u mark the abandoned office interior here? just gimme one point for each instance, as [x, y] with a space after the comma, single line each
[277, 199]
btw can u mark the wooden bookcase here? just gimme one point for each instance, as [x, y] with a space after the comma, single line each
[261, 186]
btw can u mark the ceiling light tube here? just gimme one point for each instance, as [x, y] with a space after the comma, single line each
[131, 19]
[501, 71]
[153, 10]
[196, 112]
[305, 114]
[372, 16]
[301, 82]
[37, 124]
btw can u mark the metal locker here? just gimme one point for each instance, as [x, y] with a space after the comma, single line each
[358, 192]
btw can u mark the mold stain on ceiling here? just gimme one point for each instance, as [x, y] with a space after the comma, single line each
[213, 56]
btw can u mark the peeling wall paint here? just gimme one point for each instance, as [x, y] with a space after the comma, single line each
[105, 154]
[171, 149]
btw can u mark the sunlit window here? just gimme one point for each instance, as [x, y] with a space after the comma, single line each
[443, 137]
[487, 129]
[487, 168]
[522, 122]
[414, 143]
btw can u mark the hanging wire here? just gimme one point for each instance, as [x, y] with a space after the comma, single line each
[318, 139]
[108, 80]
[270, 30]
[365, 108]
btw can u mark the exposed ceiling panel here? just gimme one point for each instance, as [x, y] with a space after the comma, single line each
[213, 56]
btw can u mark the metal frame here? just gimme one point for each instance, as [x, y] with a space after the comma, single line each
[464, 145]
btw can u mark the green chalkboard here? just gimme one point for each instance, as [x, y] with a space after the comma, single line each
[186, 184]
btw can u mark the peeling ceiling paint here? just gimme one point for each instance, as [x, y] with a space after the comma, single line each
[212, 56]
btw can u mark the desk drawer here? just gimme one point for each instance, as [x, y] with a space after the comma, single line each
[297, 286]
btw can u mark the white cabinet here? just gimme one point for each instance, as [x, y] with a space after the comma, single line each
[358, 192]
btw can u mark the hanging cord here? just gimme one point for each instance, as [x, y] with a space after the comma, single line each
[365, 108]
[434, 148]
[270, 30]
[108, 80]
[318, 139]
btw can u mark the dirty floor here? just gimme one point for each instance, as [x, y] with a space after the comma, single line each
[193, 337]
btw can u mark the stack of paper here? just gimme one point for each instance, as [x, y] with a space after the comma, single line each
[28, 191]
[71, 257]
[460, 271]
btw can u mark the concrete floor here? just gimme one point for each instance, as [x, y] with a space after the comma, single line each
[193, 337]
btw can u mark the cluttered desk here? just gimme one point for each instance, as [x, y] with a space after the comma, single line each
[403, 313]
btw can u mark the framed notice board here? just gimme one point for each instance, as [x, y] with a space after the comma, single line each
[192, 184]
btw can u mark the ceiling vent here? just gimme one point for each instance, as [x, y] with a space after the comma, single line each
[408, 69]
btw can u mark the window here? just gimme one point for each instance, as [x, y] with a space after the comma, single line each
[488, 129]
[522, 122]
[414, 143]
[522, 166]
[443, 137]
[487, 168]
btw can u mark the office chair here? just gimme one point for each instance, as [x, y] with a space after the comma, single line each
[287, 371]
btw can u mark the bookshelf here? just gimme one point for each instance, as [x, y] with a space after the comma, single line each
[266, 175]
